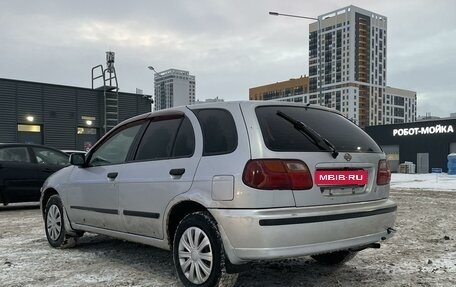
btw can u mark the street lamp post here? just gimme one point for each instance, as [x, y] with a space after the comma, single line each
[319, 36]
[152, 69]
[162, 84]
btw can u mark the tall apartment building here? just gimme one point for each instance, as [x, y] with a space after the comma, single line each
[173, 88]
[347, 69]
[347, 57]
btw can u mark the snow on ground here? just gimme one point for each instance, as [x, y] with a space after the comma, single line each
[427, 181]
[422, 253]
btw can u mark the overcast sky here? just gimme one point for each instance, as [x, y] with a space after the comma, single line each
[229, 45]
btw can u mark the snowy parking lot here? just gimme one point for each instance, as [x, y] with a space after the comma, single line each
[423, 252]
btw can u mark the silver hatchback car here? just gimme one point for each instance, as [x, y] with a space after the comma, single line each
[224, 184]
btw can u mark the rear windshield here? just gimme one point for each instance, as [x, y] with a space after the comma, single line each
[280, 135]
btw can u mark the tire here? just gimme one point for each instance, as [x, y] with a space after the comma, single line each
[335, 258]
[3, 198]
[54, 224]
[198, 253]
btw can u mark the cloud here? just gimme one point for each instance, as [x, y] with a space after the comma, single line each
[229, 46]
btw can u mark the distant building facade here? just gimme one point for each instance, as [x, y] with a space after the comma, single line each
[60, 116]
[174, 88]
[291, 89]
[399, 106]
[214, 100]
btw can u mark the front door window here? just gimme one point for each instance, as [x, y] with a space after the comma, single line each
[115, 149]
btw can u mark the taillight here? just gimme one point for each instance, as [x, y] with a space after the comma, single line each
[383, 173]
[277, 174]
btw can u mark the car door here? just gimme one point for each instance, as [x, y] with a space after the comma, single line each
[18, 175]
[164, 166]
[93, 197]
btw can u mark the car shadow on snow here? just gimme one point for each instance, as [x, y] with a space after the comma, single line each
[302, 271]
[19, 206]
[127, 251]
[142, 258]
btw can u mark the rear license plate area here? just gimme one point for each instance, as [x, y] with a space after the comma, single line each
[340, 178]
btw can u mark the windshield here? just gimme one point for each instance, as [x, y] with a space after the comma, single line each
[280, 135]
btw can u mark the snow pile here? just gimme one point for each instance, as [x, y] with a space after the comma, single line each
[427, 181]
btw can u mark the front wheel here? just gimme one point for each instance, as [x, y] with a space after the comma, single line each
[335, 258]
[198, 252]
[55, 226]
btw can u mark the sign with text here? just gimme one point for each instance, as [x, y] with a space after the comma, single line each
[340, 177]
[437, 129]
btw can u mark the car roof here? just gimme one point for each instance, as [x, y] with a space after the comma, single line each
[27, 145]
[179, 110]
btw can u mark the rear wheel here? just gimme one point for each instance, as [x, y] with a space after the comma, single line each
[335, 258]
[55, 226]
[198, 252]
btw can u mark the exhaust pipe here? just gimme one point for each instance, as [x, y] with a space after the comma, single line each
[390, 230]
[374, 245]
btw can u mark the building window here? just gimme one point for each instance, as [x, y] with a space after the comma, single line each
[86, 131]
[29, 128]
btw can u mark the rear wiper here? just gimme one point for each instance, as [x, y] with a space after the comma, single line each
[310, 133]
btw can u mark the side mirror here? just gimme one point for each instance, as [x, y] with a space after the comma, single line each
[77, 159]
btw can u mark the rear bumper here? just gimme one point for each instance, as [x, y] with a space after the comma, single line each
[288, 232]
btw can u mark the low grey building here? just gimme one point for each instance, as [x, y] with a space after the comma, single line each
[63, 117]
[424, 143]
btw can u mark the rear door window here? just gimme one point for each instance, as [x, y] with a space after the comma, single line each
[280, 135]
[185, 140]
[172, 138]
[15, 154]
[219, 131]
[48, 156]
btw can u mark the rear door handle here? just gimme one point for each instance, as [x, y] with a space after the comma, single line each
[113, 175]
[177, 171]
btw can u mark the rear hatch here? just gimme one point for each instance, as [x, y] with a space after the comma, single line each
[342, 159]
